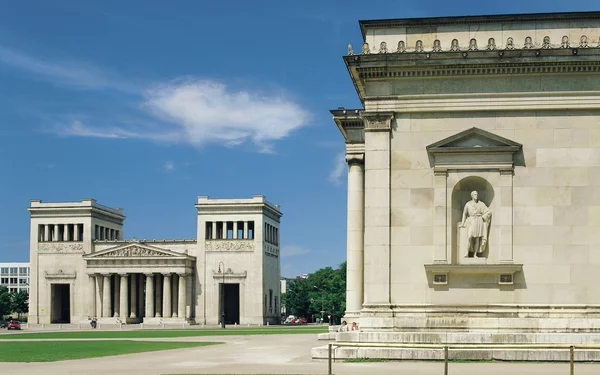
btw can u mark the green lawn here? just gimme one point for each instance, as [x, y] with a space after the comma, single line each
[52, 351]
[163, 333]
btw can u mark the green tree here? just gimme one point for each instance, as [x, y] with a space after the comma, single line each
[20, 302]
[322, 293]
[5, 301]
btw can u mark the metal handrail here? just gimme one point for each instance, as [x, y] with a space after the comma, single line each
[447, 347]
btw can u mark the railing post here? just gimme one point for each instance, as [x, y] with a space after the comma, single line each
[446, 360]
[329, 349]
[572, 359]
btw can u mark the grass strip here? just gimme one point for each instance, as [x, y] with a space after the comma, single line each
[143, 333]
[53, 351]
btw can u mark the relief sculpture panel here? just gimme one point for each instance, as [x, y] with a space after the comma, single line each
[53, 248]
[234, 245]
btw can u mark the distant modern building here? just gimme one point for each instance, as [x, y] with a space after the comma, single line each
[15, 276]
[82, 266]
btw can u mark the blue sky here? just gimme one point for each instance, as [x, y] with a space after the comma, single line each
[147, 104]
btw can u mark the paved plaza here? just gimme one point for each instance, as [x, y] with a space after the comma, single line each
[266, 354]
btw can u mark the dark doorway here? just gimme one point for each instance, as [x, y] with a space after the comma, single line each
[61, 303]
[232, 303]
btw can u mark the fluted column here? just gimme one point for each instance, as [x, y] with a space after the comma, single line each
[46, 232]
[149, 296]
[55, 233]
[92, 296]
[245, 230]
[166, 295]
[355, 234]
[182, 296]
[214, 230]
[106, 296]
[98, 295]
[235, 230]
[76, 232]
[124, 297]
[134, 295]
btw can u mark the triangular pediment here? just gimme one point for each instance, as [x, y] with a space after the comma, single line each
[473, 139]
[135, 250]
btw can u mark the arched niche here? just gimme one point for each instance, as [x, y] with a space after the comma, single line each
[461, 194]
[473, 159]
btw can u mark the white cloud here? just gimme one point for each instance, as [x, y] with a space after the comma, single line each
[77, 128]
[210, 112]
[335, 176]
[293, 250]
[169, 166]
[189, 110]
[65, 73]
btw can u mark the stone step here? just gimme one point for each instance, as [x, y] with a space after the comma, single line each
[563, 355]
[467, 337]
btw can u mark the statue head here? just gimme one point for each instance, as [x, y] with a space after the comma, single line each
[474, 195]
[437, 45]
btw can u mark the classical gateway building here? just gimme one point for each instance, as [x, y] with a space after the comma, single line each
[82, 267]
[474, 184]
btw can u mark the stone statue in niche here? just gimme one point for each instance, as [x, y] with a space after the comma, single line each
[476, 219]
[454, 45]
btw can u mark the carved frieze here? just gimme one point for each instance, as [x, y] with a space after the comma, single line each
[233, 245]
[61, 275]
[60, 247]
[133, 251]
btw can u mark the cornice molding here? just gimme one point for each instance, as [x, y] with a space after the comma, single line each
[479, 69]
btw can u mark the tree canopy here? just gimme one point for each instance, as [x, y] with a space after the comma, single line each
[17, 302]
[5, 301]
[20, 302]
[322, 293]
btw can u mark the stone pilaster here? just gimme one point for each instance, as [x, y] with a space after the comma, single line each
[149, 296]
[124, 297]
[377, 216]
[355, 234]
[167, 295]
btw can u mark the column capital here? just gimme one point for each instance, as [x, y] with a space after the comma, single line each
[182, 274]
[123, 274]
[167, 274]
[105, 274]
[378, 121]
[149, 274]
[355, 159]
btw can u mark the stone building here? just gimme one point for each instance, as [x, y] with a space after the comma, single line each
[508, 107]
[82, 267]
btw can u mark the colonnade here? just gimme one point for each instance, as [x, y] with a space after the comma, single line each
[60, 232]
[220, 230]
[136, 295]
